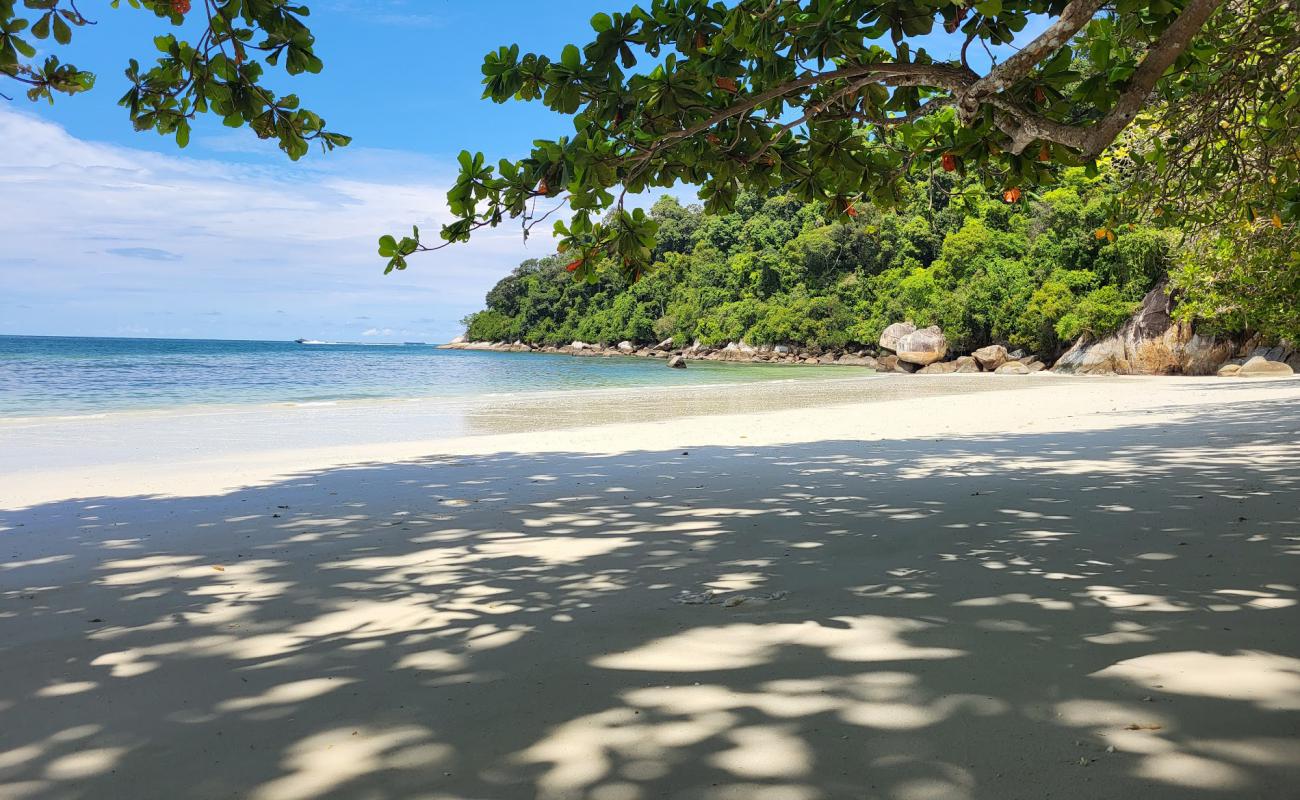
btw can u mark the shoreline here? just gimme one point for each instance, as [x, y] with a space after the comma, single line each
[104, 450]
[219, 453]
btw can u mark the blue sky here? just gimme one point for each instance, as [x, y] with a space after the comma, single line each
[107, 232]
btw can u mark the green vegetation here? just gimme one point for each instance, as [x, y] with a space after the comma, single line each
[1034, 274]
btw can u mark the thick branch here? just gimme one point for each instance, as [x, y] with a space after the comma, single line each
[940, 75]
[1005, 75]
[1159, 58]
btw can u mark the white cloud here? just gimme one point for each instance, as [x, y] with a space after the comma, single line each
[95, 235]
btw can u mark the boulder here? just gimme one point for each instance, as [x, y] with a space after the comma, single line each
[1035, 366]
[1151, 342]
[666, 344]
[626, 347]
[1229, 369]
[1012, 368]
[1258, 366]
[966, 364]
[922, 347]
[889, 336]
[991, 357]
[677, 362]
[783, 349]
[1283, 351]
[938, 368]
[1015, 355]
[577, 345]
[892, 363]
[458, 340]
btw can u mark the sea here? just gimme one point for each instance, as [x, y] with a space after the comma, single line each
[57, 376]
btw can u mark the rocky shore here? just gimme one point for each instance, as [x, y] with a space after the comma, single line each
[903, 349]
[1149, 343]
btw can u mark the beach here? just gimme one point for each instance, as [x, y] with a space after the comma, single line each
[955, 587]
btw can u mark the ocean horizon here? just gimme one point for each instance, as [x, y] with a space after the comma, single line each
[51, 376]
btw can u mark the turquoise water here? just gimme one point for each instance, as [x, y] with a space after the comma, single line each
[51, 376]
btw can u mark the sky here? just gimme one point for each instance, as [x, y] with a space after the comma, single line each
[108, 232]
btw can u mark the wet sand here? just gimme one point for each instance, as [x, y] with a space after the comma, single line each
[1063, 588]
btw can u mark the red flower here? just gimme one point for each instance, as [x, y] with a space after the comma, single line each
[949, 162]
[181, 7]
[1012, 195]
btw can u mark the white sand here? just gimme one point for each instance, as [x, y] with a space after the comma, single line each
[1067, 589]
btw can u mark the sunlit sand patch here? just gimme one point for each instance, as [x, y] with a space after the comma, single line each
[1122, 632]
[1194, 772]
[556, 549]
[1016, 598]
[1267, 680]
[130, 571]
[1116, 597]
[326, 761]
[84, 764]
[66, 688]
[286, 693]
[33, 562]
[767, 751]
[861, 639]
[1261, 751]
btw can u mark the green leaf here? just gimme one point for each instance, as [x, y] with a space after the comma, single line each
[62, 33]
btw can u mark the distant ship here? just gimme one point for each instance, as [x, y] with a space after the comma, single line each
[414, 342]
[308, 341]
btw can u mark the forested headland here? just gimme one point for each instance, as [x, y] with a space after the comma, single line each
[1034, 274]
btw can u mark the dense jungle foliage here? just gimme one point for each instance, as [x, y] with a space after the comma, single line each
[1033, 274]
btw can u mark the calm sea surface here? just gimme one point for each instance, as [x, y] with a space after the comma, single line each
[54, 376]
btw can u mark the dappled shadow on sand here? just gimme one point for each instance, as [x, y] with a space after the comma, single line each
[969, 618]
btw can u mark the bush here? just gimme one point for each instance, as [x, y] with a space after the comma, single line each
[1100, 312]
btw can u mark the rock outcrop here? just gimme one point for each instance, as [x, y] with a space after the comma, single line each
[991, 357]
[889, 336]
[1259, 366]
[677, 362]
[922, 347]
[1012, 368]
[1149, 343]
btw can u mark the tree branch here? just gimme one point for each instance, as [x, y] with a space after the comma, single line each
[1159, 58]
[1005, 75]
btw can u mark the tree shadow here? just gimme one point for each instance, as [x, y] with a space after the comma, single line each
[1095, 614]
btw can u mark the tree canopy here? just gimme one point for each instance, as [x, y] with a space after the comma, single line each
[219, 73]
[839, 101]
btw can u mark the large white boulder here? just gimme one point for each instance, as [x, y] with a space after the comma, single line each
[889, 336]
[922, 347]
